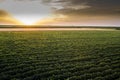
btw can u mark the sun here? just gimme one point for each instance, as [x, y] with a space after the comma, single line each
[27, 22]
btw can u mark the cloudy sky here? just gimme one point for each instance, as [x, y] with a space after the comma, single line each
[61, 12]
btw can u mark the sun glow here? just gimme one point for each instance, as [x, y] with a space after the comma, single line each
[27, 22]
[27, 12]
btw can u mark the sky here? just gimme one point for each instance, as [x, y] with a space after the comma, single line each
[60, 12]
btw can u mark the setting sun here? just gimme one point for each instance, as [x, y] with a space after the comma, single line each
[27, 22]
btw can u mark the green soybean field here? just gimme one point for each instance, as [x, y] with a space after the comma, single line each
[60, 55]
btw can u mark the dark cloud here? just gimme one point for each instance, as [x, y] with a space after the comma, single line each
[85, 7]
[93, 12]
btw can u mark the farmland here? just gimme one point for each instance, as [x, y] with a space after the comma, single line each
[60, 55]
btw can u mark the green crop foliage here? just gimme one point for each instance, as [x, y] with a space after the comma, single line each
[60, 55]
